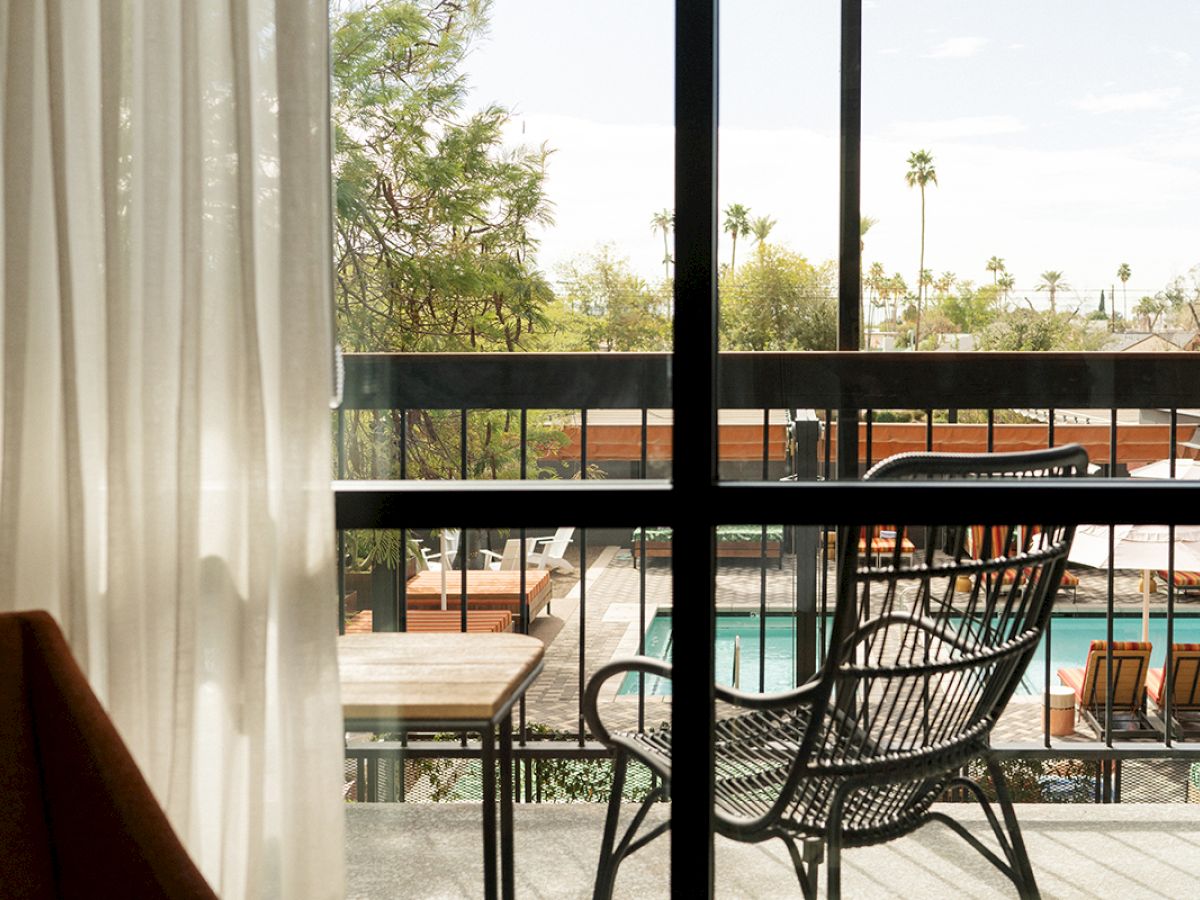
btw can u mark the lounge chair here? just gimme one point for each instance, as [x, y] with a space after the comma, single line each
[1185, 690]
[79, 819]
[905, 698]
[1186, 583]
[884, 543]
[555, 550]
[989, 543]
[1131, 659]
[1070, 581]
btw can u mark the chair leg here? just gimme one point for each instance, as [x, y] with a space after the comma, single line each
[806, 863]
[606, 870]
[1027, 886]
[833, 841]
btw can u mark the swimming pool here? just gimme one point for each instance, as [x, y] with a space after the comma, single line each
[1070, 637]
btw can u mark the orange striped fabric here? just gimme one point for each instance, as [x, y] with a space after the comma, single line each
[1098, 646]
[1069, 579]
[1182, 579]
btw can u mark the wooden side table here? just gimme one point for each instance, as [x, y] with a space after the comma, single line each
[447, 682]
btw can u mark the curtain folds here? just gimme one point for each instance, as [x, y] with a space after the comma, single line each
[164, 430]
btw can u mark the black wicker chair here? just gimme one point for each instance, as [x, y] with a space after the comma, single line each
[914, 678]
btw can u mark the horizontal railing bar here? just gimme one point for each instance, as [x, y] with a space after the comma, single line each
[616, 503]
[595, 751]
[507, 381]
[960, 380]
[775, 380]
[1097, 750]
[445, 750]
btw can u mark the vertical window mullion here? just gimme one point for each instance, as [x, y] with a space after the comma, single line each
[695, 432]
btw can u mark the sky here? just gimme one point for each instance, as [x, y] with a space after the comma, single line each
[1066, 135]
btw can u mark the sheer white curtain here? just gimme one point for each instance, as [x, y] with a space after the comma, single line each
[164, 436]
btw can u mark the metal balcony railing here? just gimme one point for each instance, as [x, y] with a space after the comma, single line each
[840, 389]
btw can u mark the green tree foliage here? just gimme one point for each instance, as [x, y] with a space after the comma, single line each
[1038, 330]
[970, 309]
[779, 301]
[433, 250]
[604, 306]
[432, 235]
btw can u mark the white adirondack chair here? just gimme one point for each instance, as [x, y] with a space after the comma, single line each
[448, 548]
[510, 559]
[555, 549]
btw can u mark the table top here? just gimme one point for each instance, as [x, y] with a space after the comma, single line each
[401, 676]
[481, 585]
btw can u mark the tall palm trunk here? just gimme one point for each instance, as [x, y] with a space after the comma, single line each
[666, 256]
[920, 272]
[733, 254]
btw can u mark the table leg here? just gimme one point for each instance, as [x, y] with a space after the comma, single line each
[507, 880]
[489, 812]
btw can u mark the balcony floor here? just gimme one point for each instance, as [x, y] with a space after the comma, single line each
[1084, 851]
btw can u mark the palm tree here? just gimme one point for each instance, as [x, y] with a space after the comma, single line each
[898, 288]
[664, 221]
[737, 221]
[995, 265]
[1052, 282]
[761, 228]
[864, 225]
[920, 173]
[945, 284]
[1123, 273]
[1006, 283]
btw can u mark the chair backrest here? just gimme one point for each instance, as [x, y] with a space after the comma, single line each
[79, 819]
[914, 673]
[1185, 676]
[1131, 662]
[562, 538]
[510, 559]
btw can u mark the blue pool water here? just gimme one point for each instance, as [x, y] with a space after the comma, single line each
[1070, 637]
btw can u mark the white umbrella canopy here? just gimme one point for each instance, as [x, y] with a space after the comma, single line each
[1185, 470]
[1136, 546]
[1142, 547]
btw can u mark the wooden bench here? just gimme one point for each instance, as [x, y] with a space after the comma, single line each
[486, 590]
[437, 621]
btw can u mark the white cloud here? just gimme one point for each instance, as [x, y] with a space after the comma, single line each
[1016, 46]
[1179, 57]
[1127, 101]
[953, 129]
[957, 48]
[889, 51]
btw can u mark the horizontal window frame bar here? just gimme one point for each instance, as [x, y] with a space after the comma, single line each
[613, 503]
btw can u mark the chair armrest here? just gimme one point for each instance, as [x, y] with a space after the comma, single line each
[776, 700]
[492, 554]
[644, 664]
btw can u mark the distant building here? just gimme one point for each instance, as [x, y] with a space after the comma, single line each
[1152, 341]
